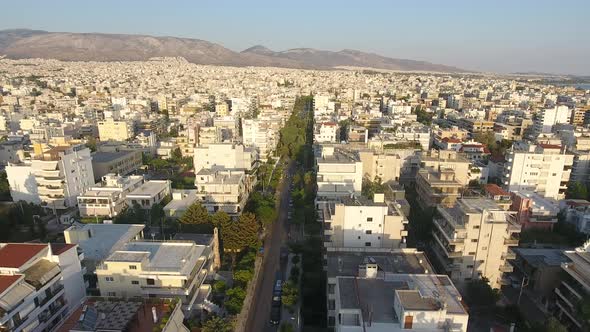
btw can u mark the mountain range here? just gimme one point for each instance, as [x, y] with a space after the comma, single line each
[24, 43]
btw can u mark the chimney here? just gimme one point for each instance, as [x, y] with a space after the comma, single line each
[371, 271]
[379, 198]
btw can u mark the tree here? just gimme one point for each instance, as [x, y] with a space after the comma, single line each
[242, 277]
[91, 143]
[290, 294]
[422, 116]
[235, 299]
[237, 235]
[219, 287]
[220, 218]
[286, 327]
[196, 219]
[4, 187]
[479, 293]
[553, 325]
[217, 324]
[157, 214]
[176, 155]
[577, 190]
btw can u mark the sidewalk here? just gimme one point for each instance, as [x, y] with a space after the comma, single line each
[293, 318]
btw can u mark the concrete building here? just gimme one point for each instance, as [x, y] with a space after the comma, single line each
[574, 287]
[577, 213]
[11, 152]
[225, 190]
[224, 156]
[534, 211]
[387, 166]
[156, 269]
[121, 163]
[451, 160]
[261, 134]
[543, 168]
[390, 291]
[339, 172]
[437, 187]
[149, 193]
[182, 199]
[327, 132]
[110, 129]
[39, 285]
[472, 240]
[108, 199]
[546, 118]
[54, 179]
[357, 222]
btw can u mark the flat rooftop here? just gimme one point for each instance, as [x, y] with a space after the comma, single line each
[105, 238]
[542, 257]
[377, 296]
[346, 263]
[149, 188]
[105, 157]
[338, 156]
[187, 198]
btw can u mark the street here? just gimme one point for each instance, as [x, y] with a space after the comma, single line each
[259, 314]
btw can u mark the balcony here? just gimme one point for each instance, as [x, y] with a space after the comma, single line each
[511, 241]
[50, 175]
[506, 268]
[509, 255]
[447, 232]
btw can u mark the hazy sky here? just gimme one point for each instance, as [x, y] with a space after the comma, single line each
[501, 36]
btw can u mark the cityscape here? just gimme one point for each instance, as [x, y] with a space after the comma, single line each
[152, 183]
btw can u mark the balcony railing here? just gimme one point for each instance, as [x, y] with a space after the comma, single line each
[511, 241]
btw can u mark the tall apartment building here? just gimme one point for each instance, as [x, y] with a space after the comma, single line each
[543, 168]
[581, 165]
[224, 156]
[225, 190]
[546, 118]
[574, 288]
[39, 285]
[437, 187]
[110, 129]
[472, 240]
[108, 198]
[339, 172]
[447, 159]
[390, 291]
[54, 179]
[327, 132]
[261, 134]
[170, 270]
[357, 222]
[387, 166]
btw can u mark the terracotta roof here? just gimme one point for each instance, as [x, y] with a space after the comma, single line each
[7, 281]
[550, 146]
[14, 255]
[495, 190]
[60, 248]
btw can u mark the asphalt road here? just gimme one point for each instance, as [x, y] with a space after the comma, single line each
[259, 314]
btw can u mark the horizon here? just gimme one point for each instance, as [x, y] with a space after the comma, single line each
[526, 37]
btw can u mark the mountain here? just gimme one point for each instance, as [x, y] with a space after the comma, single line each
[23, 43]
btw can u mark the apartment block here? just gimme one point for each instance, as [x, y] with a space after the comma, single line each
[110, 129]
[339, 172]
[437, 187]
[577, 213]
[357, 222]
[387, 166]
[327, 132]
[222, 190]
[108, 198]
[224, 156]
[574, 288]
[39, 283]
[149, 193]
[543, 168]
[447, 159]
[262, 134]
[156, 269]
[472, 240]
[546, 118]
[390, 291]
[121, 163]
[534, 211]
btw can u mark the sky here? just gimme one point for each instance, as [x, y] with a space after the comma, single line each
[496, 36]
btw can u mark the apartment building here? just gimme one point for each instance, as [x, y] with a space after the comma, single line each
[357, 222]
[443, 159]
[543, 168]
[327, 132]
[513, 130]
[476, 125]
[120, 162]
[534, 211]
[387, 166]
[262, 134]
[39, 285]
[11, 152]
[108, 198]
[357, 134]
[574, 287]
[472, 240]
[437, 187]
[166, 270]
[149, 193]
[339, 172]
[546, 118]
[208, 135]
[54, 179]
[181, 200]
[390, 291]
[110, 129]
[225, 190]
[224, 156]
[577, 213]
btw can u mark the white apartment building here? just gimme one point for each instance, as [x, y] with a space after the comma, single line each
[357, 222]
[543, 168]
[387, 165]
[110, 129]
[574, 288]
[55, 179]
[339, 172]
[39, 285]
[327, 132]
[261, 134]
[390, 291]
[472, 240]
[166, 270]
[225, 190]
[149, 193]
[108, 199]
[546, 118]
[224, 155]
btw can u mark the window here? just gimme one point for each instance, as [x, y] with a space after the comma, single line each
[331, 304]
[378, 237]
[331, 288]
[467, 279]
[109, 279]
[484, 248]
[408, 321]
[474, 240]
[369, 219]
[150, 281]
[476, 227]
[470, 266]
[367, 244]
[369, 232]
[132, 267]
[471, 253]
[359, 237]
[331, 320]
[112, 294]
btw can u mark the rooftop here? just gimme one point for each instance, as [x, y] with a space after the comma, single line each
[105, 157]
[8, 280]
[15, 255]
[105, 238]
[150, 188]
[542, 257]
[346, 263]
